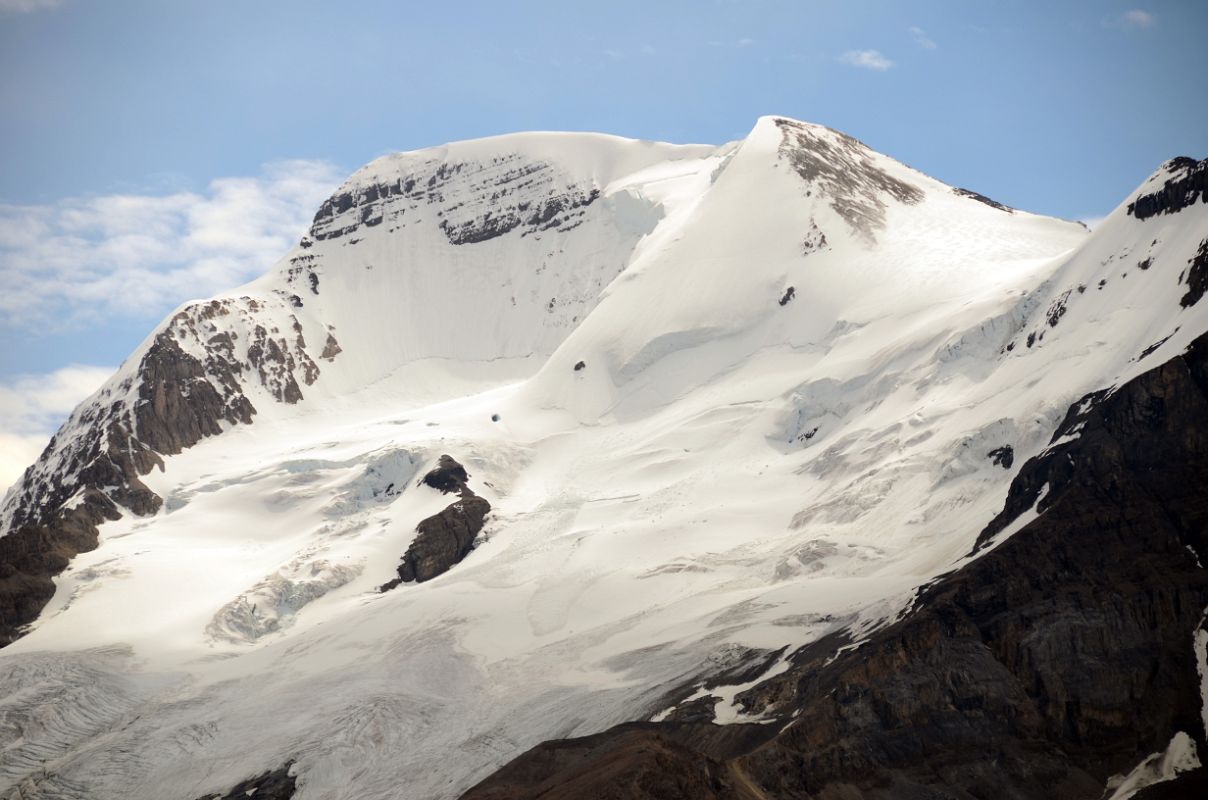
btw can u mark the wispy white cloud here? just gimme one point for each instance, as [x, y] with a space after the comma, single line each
[866, 59]
[27, 6]
[1133, 19]
[92, 258]
[33, 406]
[744, 41]
[921, 38]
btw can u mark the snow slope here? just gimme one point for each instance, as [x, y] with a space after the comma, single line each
[736, 468]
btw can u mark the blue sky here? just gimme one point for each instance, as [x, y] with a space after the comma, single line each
[159, 150]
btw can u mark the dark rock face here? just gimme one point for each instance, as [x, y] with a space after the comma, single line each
[551, 213]
[508, 193]
[1149, 426]
[1153, 348]
[443, 539]
[638, 760]
[1057, 659]
[981, 198]
[448, 476]
[843, 169]
[1057, 309]
[265, 354]
[788, 295]
[1187, 786]
[48, 530]
[179, 405]
[275, 784]
[580, 365]
[1197, 276]
[331, 348]
[1188, 182]
[31, 554]
[90, 472]
[1002, 456]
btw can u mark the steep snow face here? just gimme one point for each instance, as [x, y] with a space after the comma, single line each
[479, 251]
[868, 241]
[722, 401]
[476, 253]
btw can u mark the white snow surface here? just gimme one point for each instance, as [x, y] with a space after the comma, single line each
[724, 472]
[1179, 756]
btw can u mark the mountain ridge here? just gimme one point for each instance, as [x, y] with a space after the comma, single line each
[723, 403]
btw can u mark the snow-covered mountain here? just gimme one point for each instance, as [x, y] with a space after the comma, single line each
[715, 420]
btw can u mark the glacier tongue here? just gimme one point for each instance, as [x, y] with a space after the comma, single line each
[719, 399]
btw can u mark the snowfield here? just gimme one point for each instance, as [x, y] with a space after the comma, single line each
[726, 476]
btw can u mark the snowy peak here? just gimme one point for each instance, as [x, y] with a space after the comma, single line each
[482, 189]
[701, 408]
[801, 234]
[496, 250]
[1137, 280]
[846, 172]
[521, 237]
[520, 234]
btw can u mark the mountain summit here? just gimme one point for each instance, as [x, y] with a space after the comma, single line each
[576, 466]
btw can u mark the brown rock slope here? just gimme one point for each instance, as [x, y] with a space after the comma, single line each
[1052, 662]
[91, 470]
[634, 760]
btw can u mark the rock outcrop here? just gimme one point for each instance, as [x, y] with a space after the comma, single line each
[844, 170]
[1057, 659]
[496, 206]
[276, 784]
[1002, 456]
[192, 381]
[1188, 182]
[443, 539]
[981, 198]
[1197, 277]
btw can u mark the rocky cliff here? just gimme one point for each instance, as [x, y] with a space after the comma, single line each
[194, 378]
